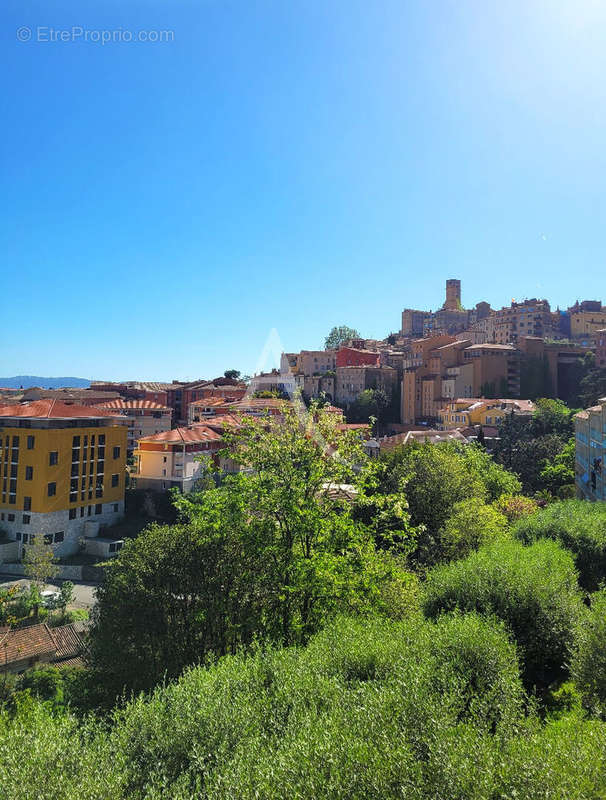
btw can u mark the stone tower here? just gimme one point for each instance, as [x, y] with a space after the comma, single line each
[453, 295]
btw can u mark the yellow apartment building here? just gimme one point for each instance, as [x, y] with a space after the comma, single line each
[62, 475]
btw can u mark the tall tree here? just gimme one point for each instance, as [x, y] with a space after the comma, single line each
[338, 335]
[272, 553]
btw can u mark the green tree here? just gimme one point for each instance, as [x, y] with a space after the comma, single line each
[66, 595]
[233, 374]
[532, 589]
[39, 564]
[434, 478]
[558, 475]
[338, 335]
[273, 553]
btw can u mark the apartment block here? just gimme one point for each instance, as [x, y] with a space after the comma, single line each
[62, 475]
[590, 452]
[600, 348]
[528, 318]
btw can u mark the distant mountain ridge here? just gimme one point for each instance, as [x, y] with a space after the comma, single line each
[27, 381]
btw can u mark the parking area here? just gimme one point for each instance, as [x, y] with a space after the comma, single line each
[84, 596]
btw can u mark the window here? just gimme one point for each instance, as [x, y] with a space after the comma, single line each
[25, 538]
[82, 511]
[89, 511]
[26, 518]
[76, 441]
[29, 473]
[53, 458]
[48, 538]
[52, 489]
[59, 536]
[116, 452]
[101, 439]
[98, 508]
[11, 518]
[30, 442]
[115, 480]
[18, 535]
[164, 459]
[13, 471]
[72, 513]
[15, 441]
[75, 469]
[115, 508]
[27, 503]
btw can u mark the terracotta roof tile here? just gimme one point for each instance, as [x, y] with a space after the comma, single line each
[24, 643]
[52, 409]
[193, 435]
[68, 641]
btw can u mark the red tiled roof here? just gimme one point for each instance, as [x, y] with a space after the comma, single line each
[24, 643]
[210, 402]
[218, 422]
[126, 404]
[68, 641]
[52, 409]
[193, 435]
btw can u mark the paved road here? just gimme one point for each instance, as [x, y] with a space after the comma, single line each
[83, 592]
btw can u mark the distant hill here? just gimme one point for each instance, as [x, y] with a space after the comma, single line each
[26, 381]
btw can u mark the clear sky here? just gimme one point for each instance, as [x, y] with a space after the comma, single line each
[294, 165]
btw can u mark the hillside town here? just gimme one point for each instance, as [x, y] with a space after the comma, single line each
[67, 455]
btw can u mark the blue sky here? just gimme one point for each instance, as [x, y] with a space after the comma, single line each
[289, 165]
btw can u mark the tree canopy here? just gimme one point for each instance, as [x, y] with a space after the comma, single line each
[338, 335]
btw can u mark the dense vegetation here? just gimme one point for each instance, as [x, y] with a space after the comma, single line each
[324, 625]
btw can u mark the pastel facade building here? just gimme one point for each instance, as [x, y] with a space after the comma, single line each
[62, 475]
[175, 458]
[590, 452]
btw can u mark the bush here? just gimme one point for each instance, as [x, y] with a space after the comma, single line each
[471, 525]
[588, 665]
[532, 589]
[514, 507]
[371, 709]
[577, 525]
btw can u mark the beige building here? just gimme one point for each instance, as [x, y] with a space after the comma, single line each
[528, 318]
[145, 418]
[175, 458]
[585, 324]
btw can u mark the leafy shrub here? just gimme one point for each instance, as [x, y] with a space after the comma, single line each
[532, 589]
[577, 525]
[588, 665]
[514, 507]
[471, 525]
[367, 709]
